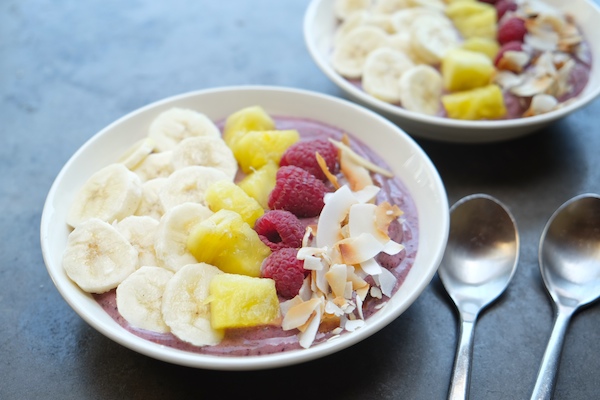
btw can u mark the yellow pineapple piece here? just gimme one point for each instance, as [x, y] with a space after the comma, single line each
[465, 69]
[259, 184]
[486, 46]
[474, 18]
[257, 148]
[229, 196]
[227, 242]
[480, 103]
[238, 301]
[247, 119]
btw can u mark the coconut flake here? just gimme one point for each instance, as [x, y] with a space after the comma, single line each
[361, 160]
[386, 281]
[371, 267]
[392, 248]
[334, 212]
[367, 194]
[336, 277]
[307, 337]
[375, 292]
[352, 325]
[507, 79]
[355, 250]
[540, 104]
[361, 219]
[298, 314]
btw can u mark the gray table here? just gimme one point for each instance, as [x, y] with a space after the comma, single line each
[69, 68]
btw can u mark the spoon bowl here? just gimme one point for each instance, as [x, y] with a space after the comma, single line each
[569, 257]
[479, 262]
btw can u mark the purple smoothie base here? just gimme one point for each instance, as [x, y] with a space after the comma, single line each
[272, 339]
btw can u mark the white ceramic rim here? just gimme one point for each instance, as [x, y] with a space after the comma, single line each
[591, 91]
[426, 189]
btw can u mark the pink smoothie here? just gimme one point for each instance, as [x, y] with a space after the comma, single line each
[272, 339]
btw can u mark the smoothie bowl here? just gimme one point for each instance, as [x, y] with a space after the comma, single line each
[194, 230]
[460, 70]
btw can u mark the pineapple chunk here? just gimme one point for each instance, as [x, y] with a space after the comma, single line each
[238, 301]
[474, 18]
[255, 149]
[229, 196]
[465, 69]
[259, 184]
[486, 46]
[227, 242]
[480, 103]
[247, 119]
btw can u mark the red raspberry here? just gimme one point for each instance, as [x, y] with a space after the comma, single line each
[397, 235]
[513, 29]
[510, 46]
[286, 270]
[502, 6]
[302, 154]
[279, 228]
[298, 192]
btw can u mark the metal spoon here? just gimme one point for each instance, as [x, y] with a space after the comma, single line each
[479, 262]
[569, 257]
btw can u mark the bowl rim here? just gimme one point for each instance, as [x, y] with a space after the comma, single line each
[442, 122]
[190, 359]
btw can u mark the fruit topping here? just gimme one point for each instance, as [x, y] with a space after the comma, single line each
[227, 242]
[303, 155]
[480, 103]
[511, 29]
[257, 148]
[229, 196]
[238, 301]
[279, 229]
[465, 69]
[503, 6]
[298, 192]
[286, 270]
[247, 119]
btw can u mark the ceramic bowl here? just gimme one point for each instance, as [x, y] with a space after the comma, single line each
[320, 25]
[398, 150]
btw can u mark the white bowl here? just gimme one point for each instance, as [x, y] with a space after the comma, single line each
[404, 157]
[319, 27]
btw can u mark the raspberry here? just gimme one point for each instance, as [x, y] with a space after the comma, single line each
[302, 154]
[397, 235]
[279, 228]
[298, 192]
[513, 29]
[286, 270]
[510, 46]
[502, 6]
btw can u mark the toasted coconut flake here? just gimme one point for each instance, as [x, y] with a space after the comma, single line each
[362, 219]
[330, 177]
[375, 292]
[336, 277]
[355, 279]
[304, 252]
[307, 337]
[285, 306]
[307, 235]
[392, 248]
[332, 308]
[371, 267]
[321, 281]
[353, 325]
[357, 175]
[299, 314]
[361, 293]
[334, 212]
[359, 304]
[313, 263]
[306, 292]
[542, 42]
[562, 79]
[355, 250]
[507, 79]
[533, 85]
[367, 194]
[540, 104]
[386, 281]
[361, 160]
[514, 61]
[385, 213]
[336, 333]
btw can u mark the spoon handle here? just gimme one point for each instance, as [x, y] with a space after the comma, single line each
[459, 383]
[544, 385]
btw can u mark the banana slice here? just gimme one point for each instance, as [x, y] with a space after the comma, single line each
[185, 308]
[176, 124]
[188, 185]
[170, 244]
[344, 8]
[205, 151]
[139, 298]
[138, 152]
[432, 36]
[150, 204]
[110, 194]
[349, 56]
[141, 233]
[420, 89]
[403, 20]
[156, 165]
[382, 71]
[97, 257]
[391, 6]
